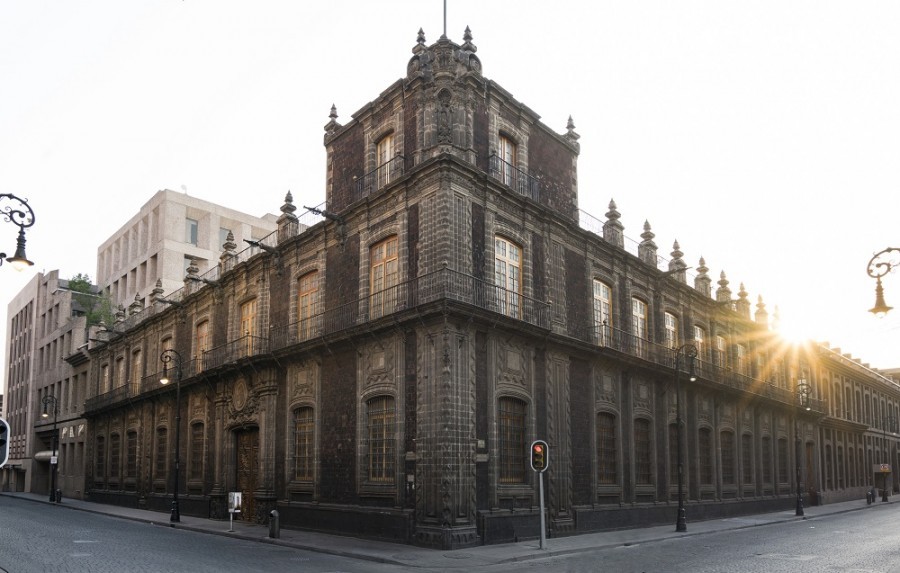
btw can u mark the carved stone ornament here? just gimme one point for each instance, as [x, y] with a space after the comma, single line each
[239, 395]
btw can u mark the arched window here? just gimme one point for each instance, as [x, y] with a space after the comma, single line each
[304, 444]
[607, 453]
[380, 423]
[512, 415]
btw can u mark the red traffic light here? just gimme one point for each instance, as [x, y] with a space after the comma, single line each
[539, 456]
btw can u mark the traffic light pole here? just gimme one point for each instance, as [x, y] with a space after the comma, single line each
[543, 519]
[540, 460]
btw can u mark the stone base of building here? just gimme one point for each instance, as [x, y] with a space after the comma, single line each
[438, 537]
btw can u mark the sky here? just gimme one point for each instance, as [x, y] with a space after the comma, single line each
[763, 136]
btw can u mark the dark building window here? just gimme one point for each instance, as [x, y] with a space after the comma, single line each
[380, 420]
[131, 455]
[747, 458]
[704, 446]
[304, 444]
[512, 440]
[162, 447]
[727, 458]
[607, 470]
[673, 454]
[782, 460]
[100, 459]
[643, 462]
[196, 463]
[115, 452]
[767, 460]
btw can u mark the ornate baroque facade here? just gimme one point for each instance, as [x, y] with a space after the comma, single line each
[381, 370]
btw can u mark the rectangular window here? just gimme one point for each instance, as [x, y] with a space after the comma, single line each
[672, 340]
[643, 461]
[727, 458]
[639, 325]
[131, 455]
[700, 342]
[162, 445]
[304, 444]
[673, 454]
[380, 424]
[384, 153]
[513, 449]
[104, 379]
[196, 464]
[248, 325]
[190, 231]
[767, 460]
[607, 467]
[782, 460]
[508, 276]
[602, 312]
[384, 276]
[100, 460]
[720, 355]
[307, 305]
[115, 445]
[201, 339]
[704, 446]
[747, 458]
[741, 359]
[507, 153]
[136, 367]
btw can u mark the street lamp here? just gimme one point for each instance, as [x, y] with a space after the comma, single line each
[881, 264]
[54, 442]
[21, 215]
[690, 352]
[886, 421]
[803, 391]
[166, 357]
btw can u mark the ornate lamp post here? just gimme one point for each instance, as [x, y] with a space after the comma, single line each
[166, 357]
[803, 390]
[881, 264]
[21, 215]
[54, 443]
[690, 352]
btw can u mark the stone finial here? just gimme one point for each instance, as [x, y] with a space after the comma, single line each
[229, 246]
[703, 283]
[120, 313]
[742, 304]
[136, 306]
[647, 248]
[762, 315]
[332, 126]
[677, 266]
[467, 41]
[288, 223]
[420, 42]
[333, 114]
[157, 291]
[723, 293]
[571, 135]
[613, 230]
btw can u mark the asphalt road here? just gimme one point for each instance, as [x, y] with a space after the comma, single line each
[41, 538]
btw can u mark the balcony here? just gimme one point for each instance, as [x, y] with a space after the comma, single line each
[510, 175]
[712, 373]
[378, 178]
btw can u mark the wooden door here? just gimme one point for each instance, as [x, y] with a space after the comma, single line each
[247, 464]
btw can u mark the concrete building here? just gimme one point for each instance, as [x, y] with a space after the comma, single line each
[383, 371]
[159, 242]
[46, 371]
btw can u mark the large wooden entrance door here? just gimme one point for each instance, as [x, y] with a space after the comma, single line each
[247, 464]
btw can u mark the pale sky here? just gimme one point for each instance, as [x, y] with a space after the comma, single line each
[763, 136]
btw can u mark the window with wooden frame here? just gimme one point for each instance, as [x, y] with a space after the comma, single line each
[607, 450]
[115, 453]
[603, 320]
[727, 443]
[384, 153]
[671, 325]
[782, 460]
[507, 152]
[120, 371]
[508, 276]
[747, 458]
[766, 454]
[380, 425]
[673, 454]
[700, 342]
[100, 459]
[162, 449]
[639, 325]
[720, 354]
[201, 338]
[304, 444]
[307, 305]
[136, 367]
[131, 447]
[247, 329]
[705, 455]
[384, 274]
[513, 449]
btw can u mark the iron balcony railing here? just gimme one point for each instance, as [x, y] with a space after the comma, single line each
[716, 373]
[443, 284]
[378, 177]
[521, 182]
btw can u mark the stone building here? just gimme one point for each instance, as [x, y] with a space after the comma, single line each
[383, 370]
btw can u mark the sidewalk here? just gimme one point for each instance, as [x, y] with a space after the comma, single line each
[411, 556]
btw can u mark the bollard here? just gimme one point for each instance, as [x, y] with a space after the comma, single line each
[58, 496]
[274, 525]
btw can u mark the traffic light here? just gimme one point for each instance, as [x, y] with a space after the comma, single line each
[4, 442]
[540, 456]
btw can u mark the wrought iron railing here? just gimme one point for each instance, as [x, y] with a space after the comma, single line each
[521, 182]
[378, 177]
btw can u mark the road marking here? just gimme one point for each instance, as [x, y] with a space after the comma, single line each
[787, 556]
[85, 541]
